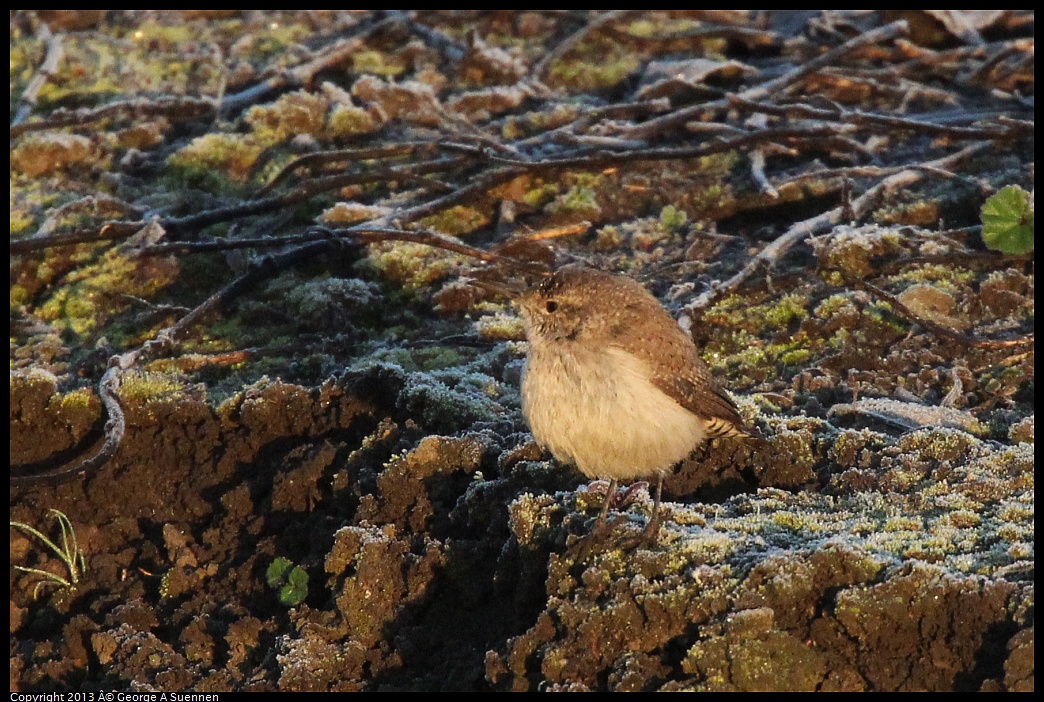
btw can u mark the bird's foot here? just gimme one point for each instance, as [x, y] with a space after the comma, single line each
[619, 499]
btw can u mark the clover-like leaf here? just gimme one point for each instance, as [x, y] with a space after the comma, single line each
[1007, 221]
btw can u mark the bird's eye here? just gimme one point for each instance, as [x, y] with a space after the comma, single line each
[551, 306]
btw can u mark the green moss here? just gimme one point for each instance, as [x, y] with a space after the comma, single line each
[854, 249]
[268, 42]
[455, 220]
[541, 194]
[941, 276]
[44, 153]
[413, 265]
[216, 162]
[146, 387]
[797, 357]
[789, 309]
[164, 37]
[34, 199]
[791, 521]
[834, 305]
[77, 401]
[608, 238]
[577, 200]
[672, 219]
[295, 113]
[349, 120]
[377, 63]
[603, 65]
[900, 524]
[93, 293]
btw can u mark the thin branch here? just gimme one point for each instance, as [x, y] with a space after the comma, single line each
[44, 73]
[933, 327]
[574, 39]
[748, 37]
[115, 428]
[440, 41]
[821, 223]
[173, 107]
[890, 122]
[323, 158]
[306, 190]
[828, 58]
[757, 172]
[604, 158]
[365, 234]
[513, 168]
[336, 53]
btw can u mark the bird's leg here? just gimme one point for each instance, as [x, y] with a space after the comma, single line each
[653, 527]
[600, 522]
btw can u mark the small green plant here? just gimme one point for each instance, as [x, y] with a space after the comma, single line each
[292, 582]
[69, 552]
[673, 219]
[1007, 221]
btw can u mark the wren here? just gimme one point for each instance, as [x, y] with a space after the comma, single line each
[613, 385]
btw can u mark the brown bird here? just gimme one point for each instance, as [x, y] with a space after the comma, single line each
[613, 385]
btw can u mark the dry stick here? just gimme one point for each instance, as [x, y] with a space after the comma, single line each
[439, 41]
[108, 387]
[173, 107]
[115, 428]
[123, 230]
[368, 234]
[829, 58]
[888, 121]
[599, 159]
[750, 38]
[323, 158]
[573, 39]
[308, 189]
[627, 110]
[802, 230]
[757, 172]
[44, 73]
[303, 74]
[933, 327]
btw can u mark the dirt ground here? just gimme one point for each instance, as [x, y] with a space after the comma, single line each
[275, 440]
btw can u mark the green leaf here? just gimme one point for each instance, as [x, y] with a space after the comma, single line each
[297, 589]
[277, 570]
[1007, 221]
[298, 577]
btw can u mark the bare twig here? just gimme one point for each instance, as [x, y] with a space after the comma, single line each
[574, 39]
[829, 58]
[748, 37]
[323, 158]
[599, 159]
[933, 327]
[889, 122]
[115, 428]
[306, 190]
[173, 107]
[440, 41]
[47, 69]
[303, 74]
[757, 172]
[820, 223]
